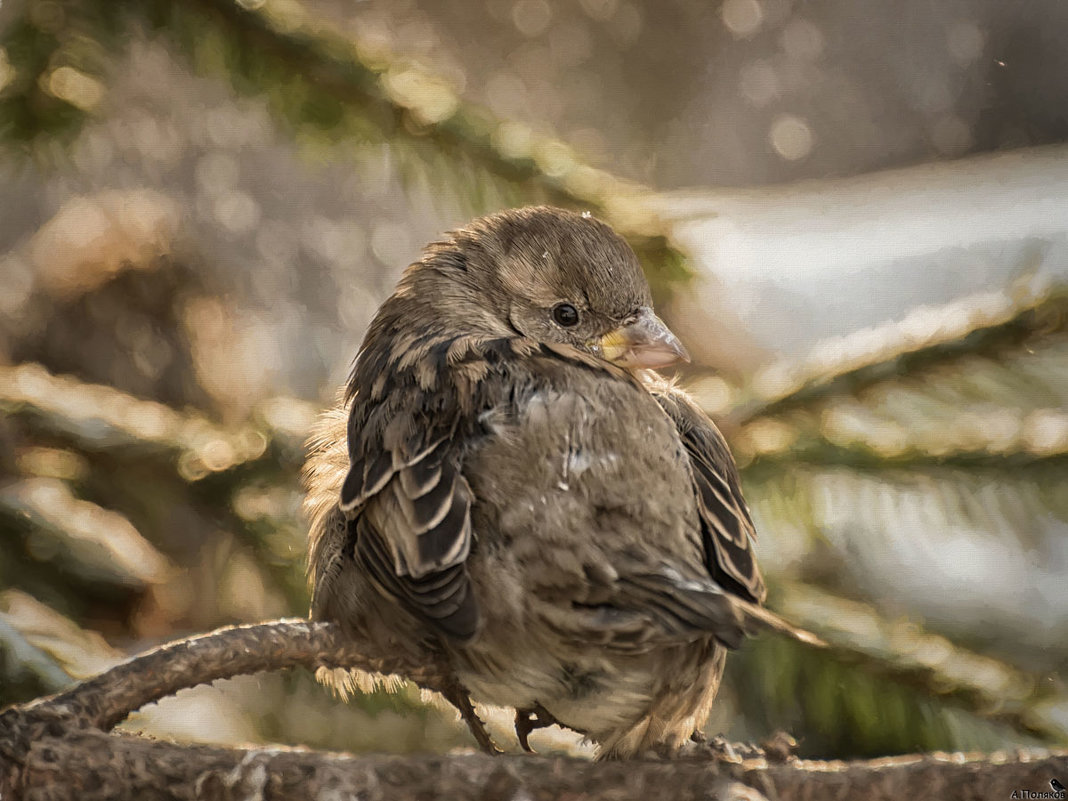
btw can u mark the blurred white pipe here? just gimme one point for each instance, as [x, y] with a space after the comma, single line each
[802, 262]
[874, 218]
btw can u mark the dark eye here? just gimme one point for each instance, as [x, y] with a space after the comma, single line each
[565, 314]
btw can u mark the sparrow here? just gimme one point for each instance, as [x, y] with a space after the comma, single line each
[508, 491]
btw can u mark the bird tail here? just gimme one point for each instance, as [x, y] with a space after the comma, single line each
[757, 618]
[683, 607]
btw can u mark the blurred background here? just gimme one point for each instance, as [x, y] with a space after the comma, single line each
[853, 212]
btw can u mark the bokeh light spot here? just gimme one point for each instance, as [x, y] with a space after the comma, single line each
[600, 10]
[759, 85]
[742, 17]
[7, 72]
[531, 17]
[791, 137]
[75, 87]
[802, 40]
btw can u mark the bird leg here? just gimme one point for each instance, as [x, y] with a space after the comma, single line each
[527, 720]
[456, 694]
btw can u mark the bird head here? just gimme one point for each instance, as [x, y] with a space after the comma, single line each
[555, 277]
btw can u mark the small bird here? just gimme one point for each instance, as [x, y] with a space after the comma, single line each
[510, 492]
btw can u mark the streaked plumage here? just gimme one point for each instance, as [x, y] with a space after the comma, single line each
[521, 503]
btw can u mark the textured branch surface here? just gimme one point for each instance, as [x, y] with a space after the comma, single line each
[111, 766]
[105, 701]
[58, 748]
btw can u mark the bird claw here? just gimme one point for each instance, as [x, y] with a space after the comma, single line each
[780, 747]
[527, 720]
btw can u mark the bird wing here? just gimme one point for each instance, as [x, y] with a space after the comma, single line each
[405, 495]
[726, 525]
[734, 601]
[414, 416]
[413, 492]
[411, 528]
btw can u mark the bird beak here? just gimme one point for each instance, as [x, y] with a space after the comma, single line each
[643, 342]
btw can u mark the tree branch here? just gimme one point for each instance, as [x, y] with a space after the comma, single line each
[106, 700]
[107, 766]
[57, 748]
[897, 353]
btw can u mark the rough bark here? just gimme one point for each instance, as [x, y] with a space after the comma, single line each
[86, 765]
[58, 748]
[105, 700]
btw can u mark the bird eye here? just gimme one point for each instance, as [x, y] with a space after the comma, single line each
[565, 314]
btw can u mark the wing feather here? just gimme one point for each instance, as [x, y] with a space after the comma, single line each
[727, 527]
[405, 493]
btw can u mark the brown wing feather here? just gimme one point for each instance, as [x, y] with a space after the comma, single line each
[727, 526]
[405, 497]
[410, 507]
[443, 598]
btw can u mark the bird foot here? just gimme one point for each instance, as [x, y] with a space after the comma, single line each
[527, 720]
[779, 747]
[717, 748]
[456, 694]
